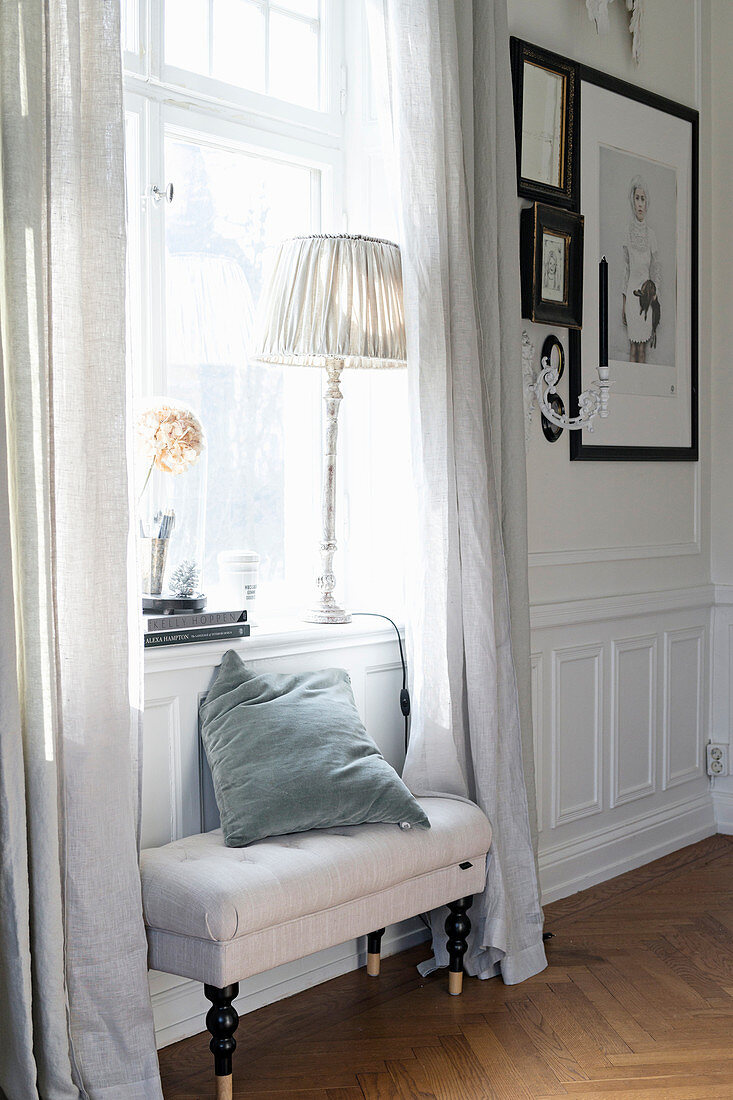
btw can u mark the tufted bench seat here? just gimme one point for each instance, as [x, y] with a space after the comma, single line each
[219, 915]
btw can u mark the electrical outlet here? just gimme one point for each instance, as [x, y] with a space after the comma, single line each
[717, 759]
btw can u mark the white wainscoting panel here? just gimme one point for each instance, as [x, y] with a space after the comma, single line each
[162, 780]
[634, 718]
[725, 733]
[619, 730]
[537, 728]
[577, 719]
[683, 703]
[721, 725]
[381, 691]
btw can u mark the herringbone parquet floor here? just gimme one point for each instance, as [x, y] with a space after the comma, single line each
[637, 1002]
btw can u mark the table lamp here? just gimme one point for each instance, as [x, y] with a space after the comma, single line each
[333, 302]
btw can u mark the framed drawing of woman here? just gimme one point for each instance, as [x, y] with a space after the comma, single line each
[639, 196]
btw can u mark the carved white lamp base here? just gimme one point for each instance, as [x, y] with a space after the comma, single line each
[326, 609]
[333, 614]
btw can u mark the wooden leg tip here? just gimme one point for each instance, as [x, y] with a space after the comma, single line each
[373, 965]
[455, 983]
[224, 1088]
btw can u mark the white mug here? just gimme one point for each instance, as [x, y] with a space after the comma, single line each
[238, 574]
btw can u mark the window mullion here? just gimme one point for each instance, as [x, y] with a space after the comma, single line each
[210, 32]
[155, 16]
[137, 267]
[267, 48]
[156, 213]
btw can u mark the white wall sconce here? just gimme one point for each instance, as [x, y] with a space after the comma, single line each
[541, 388]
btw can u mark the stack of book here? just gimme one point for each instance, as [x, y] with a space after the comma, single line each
[200, 626]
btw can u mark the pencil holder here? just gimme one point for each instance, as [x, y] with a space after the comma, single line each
[153, 554]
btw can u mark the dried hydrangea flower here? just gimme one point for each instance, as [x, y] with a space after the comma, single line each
[170, 437]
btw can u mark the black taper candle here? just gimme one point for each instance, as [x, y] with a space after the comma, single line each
[603, 312]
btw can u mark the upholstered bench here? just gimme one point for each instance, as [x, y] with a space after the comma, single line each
[219, 915]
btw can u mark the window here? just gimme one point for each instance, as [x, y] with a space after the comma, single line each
[241, 105]
[274, 49]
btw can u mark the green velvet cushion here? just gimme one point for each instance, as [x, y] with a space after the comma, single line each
[289, 753]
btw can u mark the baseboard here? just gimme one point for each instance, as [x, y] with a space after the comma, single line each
[179, 1005]
[723, 807]
[575, 865]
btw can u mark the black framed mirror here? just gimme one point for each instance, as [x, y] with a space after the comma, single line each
[545, 109]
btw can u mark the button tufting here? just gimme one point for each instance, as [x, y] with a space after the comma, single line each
[213, 903]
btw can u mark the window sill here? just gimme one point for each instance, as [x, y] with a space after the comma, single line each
[275, 637]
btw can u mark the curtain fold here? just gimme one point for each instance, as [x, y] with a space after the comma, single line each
[466, 734]
[496, 266]
[76, 1019]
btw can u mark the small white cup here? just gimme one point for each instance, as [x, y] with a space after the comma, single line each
[239, 572]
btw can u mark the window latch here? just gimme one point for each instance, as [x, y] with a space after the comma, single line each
[343, 90]
[159, 193]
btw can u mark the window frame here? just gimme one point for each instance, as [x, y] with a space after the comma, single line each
[313, 137]
[163, 103]
[339, 141]
[143, 61]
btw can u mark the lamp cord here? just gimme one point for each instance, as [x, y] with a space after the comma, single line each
[404, 693]
[404, 696]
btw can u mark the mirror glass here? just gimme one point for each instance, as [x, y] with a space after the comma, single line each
[543, 100]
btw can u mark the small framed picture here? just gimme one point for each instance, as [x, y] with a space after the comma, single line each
[551, 254]
[545, 97]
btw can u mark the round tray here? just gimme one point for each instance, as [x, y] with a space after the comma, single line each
[173, 605]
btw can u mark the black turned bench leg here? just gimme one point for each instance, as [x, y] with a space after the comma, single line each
[222, 1020]
[374, 947]
[457, 927]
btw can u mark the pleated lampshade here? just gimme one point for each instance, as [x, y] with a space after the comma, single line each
[334, 297]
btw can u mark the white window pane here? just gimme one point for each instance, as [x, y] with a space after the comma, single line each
[309, 8]
[374, 447]
[239, 43]
[229, 208]
[130, 26]
[294, 72]
[187, 34]
[133, 200]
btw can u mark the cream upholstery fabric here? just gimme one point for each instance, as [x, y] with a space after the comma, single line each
[219, 914]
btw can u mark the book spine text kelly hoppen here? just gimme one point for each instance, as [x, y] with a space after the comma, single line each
[199, 618]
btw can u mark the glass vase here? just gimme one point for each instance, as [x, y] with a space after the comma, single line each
[172, 517]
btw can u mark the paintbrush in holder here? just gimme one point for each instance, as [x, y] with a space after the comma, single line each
[155, 537]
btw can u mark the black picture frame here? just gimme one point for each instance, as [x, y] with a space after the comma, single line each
[580, 448]
[566, 194]
[549, 234]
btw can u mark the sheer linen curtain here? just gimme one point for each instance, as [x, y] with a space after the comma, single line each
[75, 1017]
[466, 737]
[496, 264]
